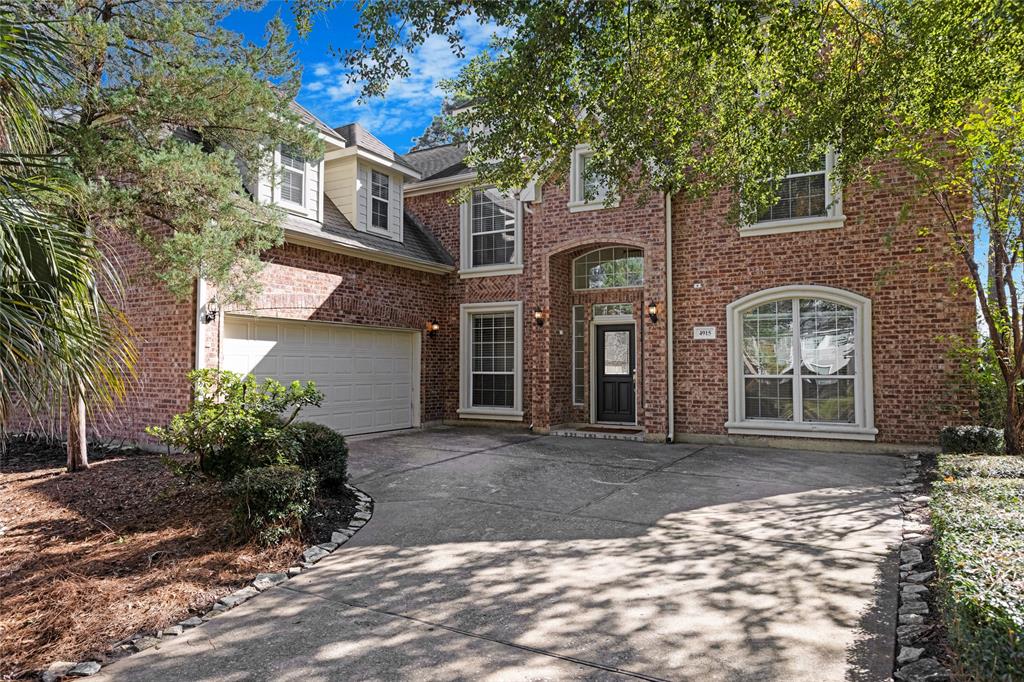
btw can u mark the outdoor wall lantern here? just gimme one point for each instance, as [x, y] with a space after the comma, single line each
[539, 316]
[652, 311]
[210, 314]
[432, 327]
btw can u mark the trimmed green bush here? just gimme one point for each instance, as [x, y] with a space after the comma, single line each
[971, 439]
[322, 449]
[236, 422]
[978, 519]
[272, 502]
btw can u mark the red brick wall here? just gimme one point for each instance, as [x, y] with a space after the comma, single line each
[910, 280]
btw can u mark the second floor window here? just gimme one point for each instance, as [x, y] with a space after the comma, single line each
[492, 228]
[293, 177]
[380, 198]
[802, 194]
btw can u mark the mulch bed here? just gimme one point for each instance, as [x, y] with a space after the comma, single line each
[90, 559]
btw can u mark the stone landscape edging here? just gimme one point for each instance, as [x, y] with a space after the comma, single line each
[262, 582]
[911, 625]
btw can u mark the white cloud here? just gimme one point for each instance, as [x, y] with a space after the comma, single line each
[410, 102]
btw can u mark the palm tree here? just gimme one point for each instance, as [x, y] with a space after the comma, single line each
[60, 338]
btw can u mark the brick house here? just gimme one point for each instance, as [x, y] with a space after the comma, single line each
[558, 310]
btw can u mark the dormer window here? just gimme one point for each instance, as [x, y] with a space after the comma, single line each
[380, 199]
[293, 177]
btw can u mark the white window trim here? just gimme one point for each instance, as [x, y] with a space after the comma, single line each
[466, 409]
[577, 201]
[834, 218]
[287, 203]
[863, 429]
[466, 244]
[369, 209]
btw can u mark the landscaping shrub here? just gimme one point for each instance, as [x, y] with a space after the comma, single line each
[237, 423]
[272, 502]
[971, 439]
[978, 517]
[323, 450]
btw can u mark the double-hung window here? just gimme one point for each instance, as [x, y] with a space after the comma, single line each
[380, 200]
[588, 189]
[293, 177]
[491, 340]
[491, 235]
[806, 200]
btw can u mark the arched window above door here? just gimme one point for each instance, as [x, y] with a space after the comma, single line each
[612, 267]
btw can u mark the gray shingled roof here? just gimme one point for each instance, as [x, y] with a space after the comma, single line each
[418, 244]
[358, 136]
[443, 161]
[308, 117]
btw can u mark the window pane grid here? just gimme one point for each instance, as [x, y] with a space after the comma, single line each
[578, 326]
[293, 172]
[379, 200]
[493, 228]
[800, 195]
[609, 268]
[798, 362]
[493, 360]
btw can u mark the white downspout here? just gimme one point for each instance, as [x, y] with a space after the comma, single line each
[200, 323]
[669, 321]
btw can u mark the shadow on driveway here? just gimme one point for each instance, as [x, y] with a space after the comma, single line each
[496, 555]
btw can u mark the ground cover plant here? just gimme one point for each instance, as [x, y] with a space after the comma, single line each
[978, 517]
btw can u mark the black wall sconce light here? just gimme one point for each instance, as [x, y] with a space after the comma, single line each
[539, 316]
[432, 328]
[211, 310]
[652, 311]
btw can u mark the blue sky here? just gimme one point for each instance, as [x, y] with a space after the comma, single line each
[409, 104]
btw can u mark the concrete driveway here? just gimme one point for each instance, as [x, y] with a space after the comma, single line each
[497, 555]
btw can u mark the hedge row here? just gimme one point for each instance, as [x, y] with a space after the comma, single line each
[978, 517]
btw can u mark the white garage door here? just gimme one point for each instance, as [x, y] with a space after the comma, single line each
[366, 375]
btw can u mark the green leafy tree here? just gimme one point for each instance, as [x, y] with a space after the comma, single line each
[166, 116]
[698, 97]
[163, 118]
[60, 335]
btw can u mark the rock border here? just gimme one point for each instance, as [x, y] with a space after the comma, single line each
[914, 588]
[263, 581]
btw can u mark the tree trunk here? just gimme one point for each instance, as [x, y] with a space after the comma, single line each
[78, 457]
[1012, 435]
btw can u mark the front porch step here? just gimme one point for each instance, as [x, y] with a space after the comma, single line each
[610, 434]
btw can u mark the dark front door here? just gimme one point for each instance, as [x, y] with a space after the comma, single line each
[616, 398]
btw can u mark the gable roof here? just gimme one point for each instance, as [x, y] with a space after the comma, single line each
[442, 161]
[308, 117]
[418, 245]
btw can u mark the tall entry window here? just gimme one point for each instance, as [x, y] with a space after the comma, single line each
[801, 362]
[494, 357]
[491, 360]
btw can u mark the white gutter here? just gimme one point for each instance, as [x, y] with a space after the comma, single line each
[200, 323]
[670, 354]
[412, 189]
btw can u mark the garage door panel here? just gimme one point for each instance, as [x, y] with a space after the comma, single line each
[365, 375]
